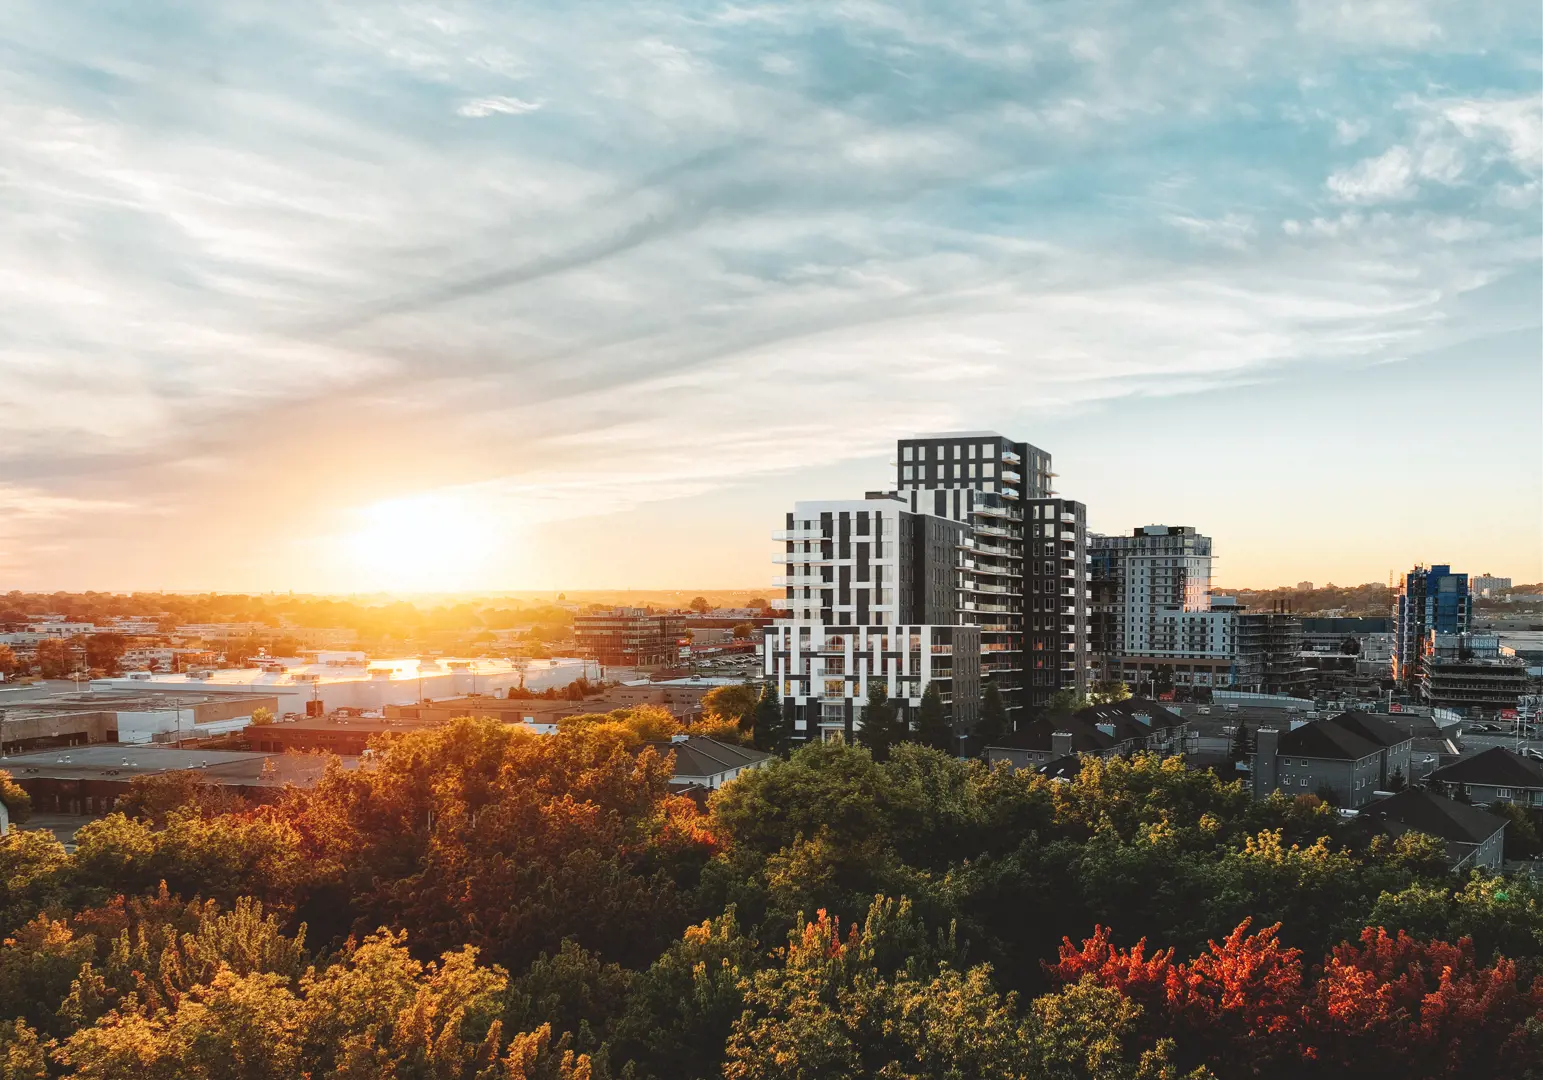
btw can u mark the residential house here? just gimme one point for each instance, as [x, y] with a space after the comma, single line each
[1348, 758]
[1474, 837]
[709, 763]
[1114, 730]
[1493, 775]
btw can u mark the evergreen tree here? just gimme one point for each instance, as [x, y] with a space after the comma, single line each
[767, 731]
[1396, 782]
[881, 723]
[932, 726]
[993, 717]
[1239, 751]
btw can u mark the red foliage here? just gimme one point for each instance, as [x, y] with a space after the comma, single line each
[1387, 1005]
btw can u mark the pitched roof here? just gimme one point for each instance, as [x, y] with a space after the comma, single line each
[1062, 768]
[1372, 728]
[698, 755]
[1346, 737]
[1324, 739]
[1036, 735]
[1435, 815]
[1496, 766]
[1127, 710]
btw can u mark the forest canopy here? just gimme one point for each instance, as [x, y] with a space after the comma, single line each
[483, 902]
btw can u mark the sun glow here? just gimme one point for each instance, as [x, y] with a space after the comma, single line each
[433, 542]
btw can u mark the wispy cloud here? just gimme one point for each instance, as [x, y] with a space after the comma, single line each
[254, 242]
[489, 106]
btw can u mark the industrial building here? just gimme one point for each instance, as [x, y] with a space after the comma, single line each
[126, 716]
[324, 682]
[91, 779]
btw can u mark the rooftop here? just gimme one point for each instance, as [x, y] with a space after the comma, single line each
[697, 755]
[1435, 815]
[239, 768]
[1496, 766]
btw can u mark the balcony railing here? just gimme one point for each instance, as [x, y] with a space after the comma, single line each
[800, 535]
[1011, 458]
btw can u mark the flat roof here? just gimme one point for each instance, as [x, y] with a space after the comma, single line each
[295, 675]
[119, 701]
[242, 768]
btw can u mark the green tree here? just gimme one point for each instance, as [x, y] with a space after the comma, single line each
[993, 717]
[1238, 751]
[1396, 782]
[932, 726]
[1108, 691]
[262, 716]
[735, 704]
[1064, 702]
[881, 724]
[769, 726]
[1521, 832]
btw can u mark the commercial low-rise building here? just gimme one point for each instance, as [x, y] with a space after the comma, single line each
[88, 717]
[1348, 758]
[630, 637]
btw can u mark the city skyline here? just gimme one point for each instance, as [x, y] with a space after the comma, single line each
[487, 300]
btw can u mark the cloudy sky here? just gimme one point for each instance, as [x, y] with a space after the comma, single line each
[335, 296]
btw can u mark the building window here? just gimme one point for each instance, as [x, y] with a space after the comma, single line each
[906, 453]
[1503, 793]
[908, 470]
[988, 450]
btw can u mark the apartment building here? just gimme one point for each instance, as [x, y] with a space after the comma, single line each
[875, 591]
[1152, 609]
[1431, 598]
[1024, 577]
[1471, 671]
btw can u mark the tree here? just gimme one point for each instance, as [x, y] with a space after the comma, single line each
[932, 726]
[104, 650]
[1066, 701]
[881, 724]
[744, 631]
[54, 659]
[262, 716]
[1521, 833]
[736, 703]
[18, 804]
[1108, 691]
[769, 727]
[1396, 782]
[1239, 749]
[1350, 647]
[757, 603]
[8, 662]
[1162, 680]
[992, 724]
[700, 605]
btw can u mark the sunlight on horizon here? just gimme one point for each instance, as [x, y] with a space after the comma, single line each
[423, 543]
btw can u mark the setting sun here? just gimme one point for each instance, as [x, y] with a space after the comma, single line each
[423, 543]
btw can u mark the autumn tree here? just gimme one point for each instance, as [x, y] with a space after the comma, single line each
[1108, 692]
[9, 664]
[55, 659]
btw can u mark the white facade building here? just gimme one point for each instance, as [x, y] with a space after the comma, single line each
[346, 680]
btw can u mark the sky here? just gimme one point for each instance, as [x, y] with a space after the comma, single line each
[343, 297]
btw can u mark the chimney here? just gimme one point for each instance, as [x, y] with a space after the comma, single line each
[1266, 761]
[1060, 744]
